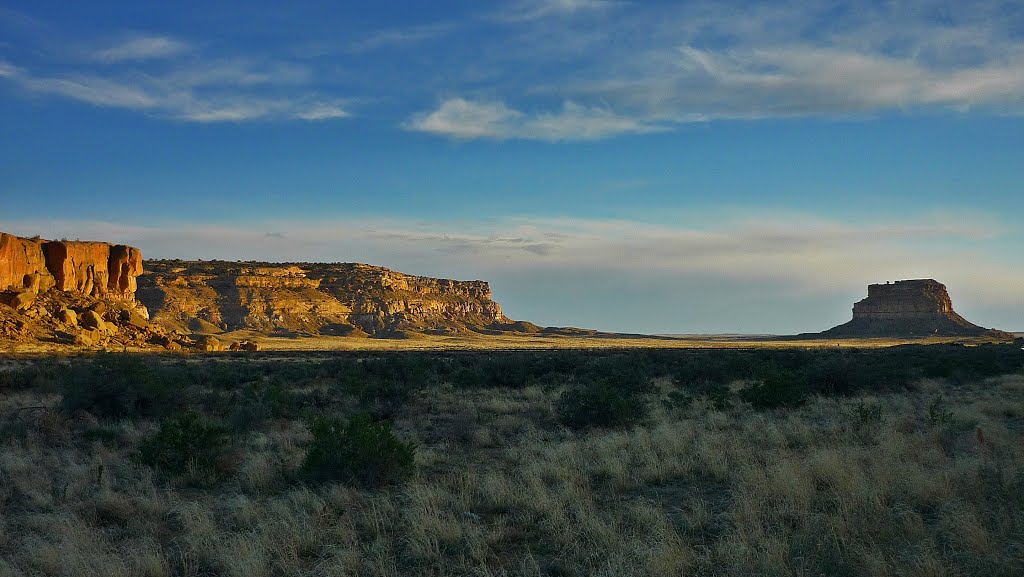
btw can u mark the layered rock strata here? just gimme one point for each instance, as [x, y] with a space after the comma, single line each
[907, 308]
[314, 298]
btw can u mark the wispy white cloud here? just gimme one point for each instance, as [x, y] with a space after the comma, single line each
[465, 119]
[808, 80]
[530, 10]
[461, 118]
[663, 65]
[141, 48]
[239, 109]
[216, 91]
[321, 111]
[7, 69]
[236, 72]
[92, 89]
[399, 37]
[567, 70]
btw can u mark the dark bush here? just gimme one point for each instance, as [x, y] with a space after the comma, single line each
[186, 444]
[38, 377]
[467, 377]
[121, 385]
[831, 377]
[677, 400]
[777, 389]
[362, 452]
[383, 384]
[602, 404]
[716, 393]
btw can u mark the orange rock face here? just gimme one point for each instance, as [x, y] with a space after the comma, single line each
[125, 264]
[92, 268]
[79, 266]
[20, 257]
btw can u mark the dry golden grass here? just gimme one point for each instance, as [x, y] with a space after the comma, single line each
[475, 342]
[480, 342]
[502, 489]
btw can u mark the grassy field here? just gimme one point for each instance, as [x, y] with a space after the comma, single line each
[482, 342]
[528, 342]
[873, 462]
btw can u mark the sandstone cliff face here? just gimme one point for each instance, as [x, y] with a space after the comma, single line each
[20, 258]
[907, 308]
[95, 269]
[125, 265]
[337, 299]
[73, 293]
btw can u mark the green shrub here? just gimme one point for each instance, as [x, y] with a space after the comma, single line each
[865, 419]
[677, 400]
[120, 385]
[38, 377]
[938, 413]
[716, 393]
[601, 404]
[362, 452]
[382, 384]
[467, 377]
[777, 389]
[187, 445]
[832, 377]
[258, 402]
[865, 414]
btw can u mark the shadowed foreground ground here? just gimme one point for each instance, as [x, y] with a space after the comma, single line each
[889, 462]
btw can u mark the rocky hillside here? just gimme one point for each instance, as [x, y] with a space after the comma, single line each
[908, 308]
[313, 298]
[74, 293]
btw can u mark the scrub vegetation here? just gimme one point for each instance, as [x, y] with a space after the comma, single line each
[862, 462]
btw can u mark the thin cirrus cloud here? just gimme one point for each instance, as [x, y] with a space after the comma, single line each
[141, 48]
[464, 119]
[401, 37]
[156, 75]
[7, 70]
[805, 80]
[666, 66]
[580, 70]
[530, 10]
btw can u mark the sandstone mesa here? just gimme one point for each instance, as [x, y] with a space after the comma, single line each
[908, 308]
[96, 294]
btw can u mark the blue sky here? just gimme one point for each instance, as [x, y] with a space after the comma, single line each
[633, 166]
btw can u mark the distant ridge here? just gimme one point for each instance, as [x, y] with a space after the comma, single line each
[348, 299]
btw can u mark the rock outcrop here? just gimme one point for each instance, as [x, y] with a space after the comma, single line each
[96, 269]
[23, 259]
[907, 308]
[73, 293]
[314, 298]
